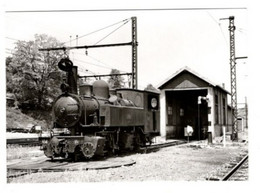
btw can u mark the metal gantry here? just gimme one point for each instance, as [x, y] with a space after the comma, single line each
[134, 45]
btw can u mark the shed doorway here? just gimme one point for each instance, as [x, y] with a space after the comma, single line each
[183, 109]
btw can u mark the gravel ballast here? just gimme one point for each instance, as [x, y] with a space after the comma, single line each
[190, 162]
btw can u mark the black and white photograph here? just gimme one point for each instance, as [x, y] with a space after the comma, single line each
[127, 96]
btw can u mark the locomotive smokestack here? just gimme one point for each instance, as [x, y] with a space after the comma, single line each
[72, 80]
[66, 65]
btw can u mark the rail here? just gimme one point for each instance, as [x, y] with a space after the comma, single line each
[234, 169]
[23, 141]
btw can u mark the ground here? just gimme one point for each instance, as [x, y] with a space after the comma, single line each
[195, 161]
[16, 119]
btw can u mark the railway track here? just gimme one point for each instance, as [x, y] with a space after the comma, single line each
[237, 170]
[155, 147]
[43, 164]
[241, 174]
[23, 141]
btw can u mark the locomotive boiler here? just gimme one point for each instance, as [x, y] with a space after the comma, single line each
[95, 121]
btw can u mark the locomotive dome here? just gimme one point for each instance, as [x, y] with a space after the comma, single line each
[101, 89]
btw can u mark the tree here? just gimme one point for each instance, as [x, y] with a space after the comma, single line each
[35, 76]
[9, 72]
[116, 81]
[150, 87]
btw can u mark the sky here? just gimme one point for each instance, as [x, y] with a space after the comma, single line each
[168, 40]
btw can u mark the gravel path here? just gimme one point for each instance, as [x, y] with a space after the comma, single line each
[190, 162]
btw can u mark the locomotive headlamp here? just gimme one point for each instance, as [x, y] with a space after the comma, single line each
[154, 102]
[65, 64]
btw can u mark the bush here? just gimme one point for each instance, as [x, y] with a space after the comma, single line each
[15, 118]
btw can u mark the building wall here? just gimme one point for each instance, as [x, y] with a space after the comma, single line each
[163, 114]
[217, 104]
[229, 125]
[220, 111]
[211, 110]
[185, 80]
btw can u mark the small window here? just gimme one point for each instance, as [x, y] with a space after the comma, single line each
[170, 117]
[216, 109]
[169, 110]
[224, 111]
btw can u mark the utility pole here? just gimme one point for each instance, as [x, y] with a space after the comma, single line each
[233, 78]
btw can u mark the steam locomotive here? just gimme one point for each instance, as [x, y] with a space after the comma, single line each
[98, 121]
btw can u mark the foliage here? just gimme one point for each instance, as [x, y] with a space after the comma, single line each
[33, 76]
[116, 81]
[16, 119]
[150, 87]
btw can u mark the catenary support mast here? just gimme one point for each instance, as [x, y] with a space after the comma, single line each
[134, 53]
[232, 29]
[232, 61]
[233, 77]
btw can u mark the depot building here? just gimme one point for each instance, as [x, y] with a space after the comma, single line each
[188, 99]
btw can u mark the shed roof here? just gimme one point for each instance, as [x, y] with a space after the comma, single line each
[187, 69]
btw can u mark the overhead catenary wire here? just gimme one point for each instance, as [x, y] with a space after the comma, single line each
[98, 65]
[78, 53]
[112, 32]
[13, 39]
[242, 30]
[219, 25]
[110, 67]
[125, 21]
[97, 30]
[105, 65]
[111, 25]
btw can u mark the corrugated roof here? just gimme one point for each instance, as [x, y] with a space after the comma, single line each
[186, 68]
